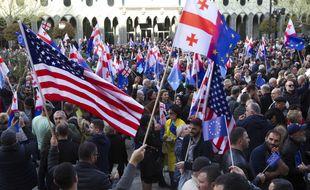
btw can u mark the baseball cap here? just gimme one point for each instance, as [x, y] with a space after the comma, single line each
[200, 162]
[295, 127]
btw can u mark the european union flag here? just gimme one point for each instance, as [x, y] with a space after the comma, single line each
[260, 81]
[175, 76]
[227, 39]
[214, 128]
[273, 159]
[294, 42]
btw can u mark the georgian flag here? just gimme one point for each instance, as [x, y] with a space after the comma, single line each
[289, 31]
[197, 26]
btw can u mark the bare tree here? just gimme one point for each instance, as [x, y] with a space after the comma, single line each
[13, 10]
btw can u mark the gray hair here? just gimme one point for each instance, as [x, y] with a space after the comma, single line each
[255, 107]
[265, 88]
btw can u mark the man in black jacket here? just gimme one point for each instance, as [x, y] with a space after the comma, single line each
[294, 156]
[17, 170]
[255, 124]
[88, 176]
[194, 146]
[239, 143]
[103, 144]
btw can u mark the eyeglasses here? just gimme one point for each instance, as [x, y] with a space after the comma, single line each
[291, 85]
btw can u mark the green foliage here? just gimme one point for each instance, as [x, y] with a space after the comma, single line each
[265, 28]
[60, 33]
[10, 30]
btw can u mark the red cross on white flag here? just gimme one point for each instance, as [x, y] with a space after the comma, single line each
[46, 25]
[197, 26]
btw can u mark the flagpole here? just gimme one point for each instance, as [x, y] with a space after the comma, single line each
[35, 74]
[157, 98]
[299, 57]
[206, 101]
[229, 143]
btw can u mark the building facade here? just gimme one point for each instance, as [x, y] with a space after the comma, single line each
[121, 20]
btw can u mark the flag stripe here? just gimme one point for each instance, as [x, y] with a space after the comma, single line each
[128, 130]
[42, 70]
[46, 79]
[62, 79]
[118, 120]
[110, 110]
[197, 21]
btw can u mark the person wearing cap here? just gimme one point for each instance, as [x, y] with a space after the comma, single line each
[198, 164]
[294, 155]
[17, 170]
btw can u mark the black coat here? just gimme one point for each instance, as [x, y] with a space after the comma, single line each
[290, 148]
[257, 127]
[17, 170]
[89, 177]
[151, 165]
[103, 145]
[265, 102]
[239, 160]
[203, 148]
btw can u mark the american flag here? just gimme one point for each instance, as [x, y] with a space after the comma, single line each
[63, 80]
[212, 89]
[218, 106]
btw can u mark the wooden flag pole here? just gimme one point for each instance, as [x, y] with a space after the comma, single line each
[35, 74]
[199, 96]
[157, 98]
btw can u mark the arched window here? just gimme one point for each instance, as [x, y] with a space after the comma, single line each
[242, 2]
[89, 2]
[44, 3]
[259, 2]
[111, 3]
[67, 3]
[20, 2]
[225, 2]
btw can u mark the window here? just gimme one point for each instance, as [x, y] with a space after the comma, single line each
[44, 3]
[259, 2]
[111, 3]
[225, 2]
[89, 2]
[67, 3]
[242, 2]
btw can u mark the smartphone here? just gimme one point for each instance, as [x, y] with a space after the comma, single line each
[16, 115]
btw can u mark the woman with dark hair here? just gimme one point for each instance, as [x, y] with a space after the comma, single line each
[182, 104]
[151, 165]
[150, 96]
[169, 138]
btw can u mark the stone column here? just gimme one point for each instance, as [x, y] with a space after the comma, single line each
[79, 28]
[249, 26]
[122, 29]
[233, 22]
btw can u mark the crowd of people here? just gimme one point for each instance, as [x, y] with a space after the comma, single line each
[66, 147]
